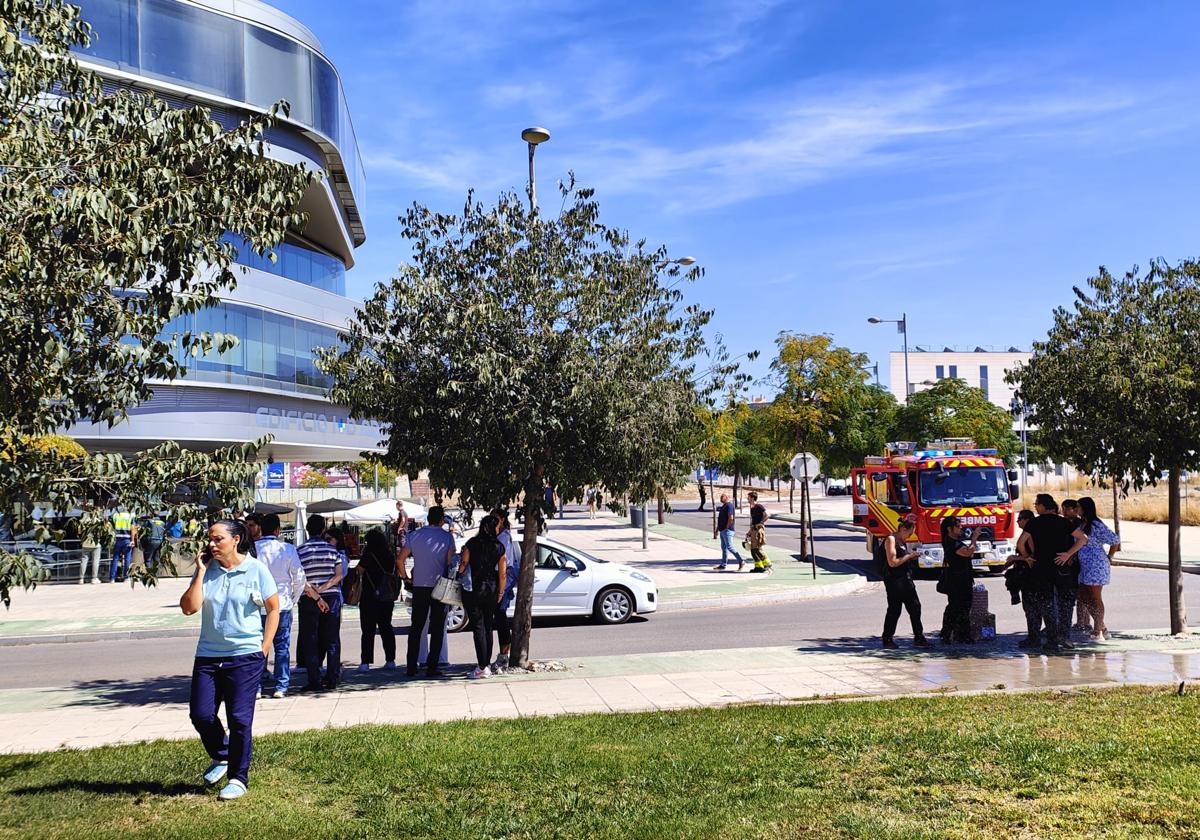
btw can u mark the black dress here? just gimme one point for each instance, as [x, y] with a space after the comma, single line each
[959, 579]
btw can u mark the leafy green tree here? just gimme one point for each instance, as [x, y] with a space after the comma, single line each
[516, 349]
[824, 405]
[1114, 388]
[954, 409]
[113, 208]
[752, 451]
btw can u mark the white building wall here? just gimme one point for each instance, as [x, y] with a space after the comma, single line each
[925, 366]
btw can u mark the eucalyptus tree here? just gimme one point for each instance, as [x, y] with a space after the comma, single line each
[1115, 388]
[114, 210]
[516, 349]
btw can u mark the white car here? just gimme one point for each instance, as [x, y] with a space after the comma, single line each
[569, 582]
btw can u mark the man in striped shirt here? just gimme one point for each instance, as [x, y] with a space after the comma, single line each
[320, 607]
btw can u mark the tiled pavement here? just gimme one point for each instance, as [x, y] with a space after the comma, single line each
[48, 719]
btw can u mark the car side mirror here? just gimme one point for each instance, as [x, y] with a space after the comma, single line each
[1014, 491]
[901, 480]
[1012, 475]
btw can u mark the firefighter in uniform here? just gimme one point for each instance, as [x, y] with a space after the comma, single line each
[756, 537]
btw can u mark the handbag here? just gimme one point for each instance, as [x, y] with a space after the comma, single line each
[352, 586]
[448, 590]
[943, 584]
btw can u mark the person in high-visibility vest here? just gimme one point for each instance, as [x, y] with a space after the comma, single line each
[124, 533]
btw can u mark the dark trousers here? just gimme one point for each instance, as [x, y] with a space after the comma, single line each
[376, 615]
[1066, 593]
[321, 634]
[482, 609]
[424, 607]
[233, 681]
[1033, 617]
[122, 552]
[152, 553]
[956, 620]
[1046, 612]
[902, 593]
[503, 626]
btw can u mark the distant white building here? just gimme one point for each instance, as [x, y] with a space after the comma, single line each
[982, 368]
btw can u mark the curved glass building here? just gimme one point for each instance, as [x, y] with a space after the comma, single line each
[239, 57]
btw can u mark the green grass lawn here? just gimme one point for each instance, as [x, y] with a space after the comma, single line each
[1121, 763]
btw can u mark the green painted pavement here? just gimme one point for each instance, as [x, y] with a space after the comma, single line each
[787, 572]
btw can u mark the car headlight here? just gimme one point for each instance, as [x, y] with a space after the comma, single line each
[639, 576]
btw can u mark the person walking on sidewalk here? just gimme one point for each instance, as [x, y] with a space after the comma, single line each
[485, 555]
[756, 537]
[957, 581]
[320, 609]
[283, 562]
[380, 589]
[726, 517]
[432, 550]
[228, 590]
[703, 495]
[893, 558]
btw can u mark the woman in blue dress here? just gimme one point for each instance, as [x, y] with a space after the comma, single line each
[1094, 563]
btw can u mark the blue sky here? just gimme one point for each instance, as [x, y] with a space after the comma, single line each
[964, 162]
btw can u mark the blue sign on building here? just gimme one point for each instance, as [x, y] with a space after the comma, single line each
[275, 475]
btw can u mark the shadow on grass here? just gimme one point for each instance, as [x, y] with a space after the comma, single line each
[110, 788]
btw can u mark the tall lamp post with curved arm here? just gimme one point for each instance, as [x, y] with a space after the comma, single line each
[902, 328]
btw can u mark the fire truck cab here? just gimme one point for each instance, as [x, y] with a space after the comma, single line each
[945, 478]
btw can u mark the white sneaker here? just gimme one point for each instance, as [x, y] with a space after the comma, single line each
[487, 672]
[233, 790]
[480, 674]
[363, 668]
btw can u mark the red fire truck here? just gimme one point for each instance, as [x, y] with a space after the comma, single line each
[945, 478]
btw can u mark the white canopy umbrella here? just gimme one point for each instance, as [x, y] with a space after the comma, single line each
[384, 509]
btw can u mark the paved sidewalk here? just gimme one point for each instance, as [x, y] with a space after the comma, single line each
[38, 720]
[679, 559]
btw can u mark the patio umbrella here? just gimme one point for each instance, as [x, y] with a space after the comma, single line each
[266, 507]
[332, 506]
[385, 509]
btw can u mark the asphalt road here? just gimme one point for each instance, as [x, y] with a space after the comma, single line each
[1137, 599]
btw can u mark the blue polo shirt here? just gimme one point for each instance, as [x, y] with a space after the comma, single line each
[230, 620]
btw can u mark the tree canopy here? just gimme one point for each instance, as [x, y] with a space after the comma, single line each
[954, 409]
[1115, 387]
[114, 208]
[516, 349]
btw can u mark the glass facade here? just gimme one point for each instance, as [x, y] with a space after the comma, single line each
[294, 262]
[273, 351]
[199, 48]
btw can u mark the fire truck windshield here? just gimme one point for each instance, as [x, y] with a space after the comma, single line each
[964, 486]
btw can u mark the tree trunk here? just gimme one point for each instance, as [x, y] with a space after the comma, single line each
[712, 497]
[1174, 558]
[1116, 511]
[792, 496]
[737, 502]
[523, 614]
[660, 509]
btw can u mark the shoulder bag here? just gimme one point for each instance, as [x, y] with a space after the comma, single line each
[448, 590]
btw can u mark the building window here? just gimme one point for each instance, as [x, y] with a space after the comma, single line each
[192, 47]
[941, 372]
[983, 381]
[954, 371]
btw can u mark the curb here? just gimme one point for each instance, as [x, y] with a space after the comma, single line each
[782, 596]
[100, 636]
[1188, 569]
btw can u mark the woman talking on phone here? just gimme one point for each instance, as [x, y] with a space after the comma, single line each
[229, 590]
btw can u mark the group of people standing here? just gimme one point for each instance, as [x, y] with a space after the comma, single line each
[1060, 569]
[248, 581]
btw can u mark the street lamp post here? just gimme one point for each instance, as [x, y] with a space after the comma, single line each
[533, 136]
[1017, 406]
[902, 328]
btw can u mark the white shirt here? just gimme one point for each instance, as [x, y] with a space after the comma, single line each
[283, 561]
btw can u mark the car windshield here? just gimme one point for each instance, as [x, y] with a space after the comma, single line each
[964, 486]
[583, 555]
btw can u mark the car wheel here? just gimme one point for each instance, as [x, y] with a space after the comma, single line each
[613, 606]
[456, 618]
